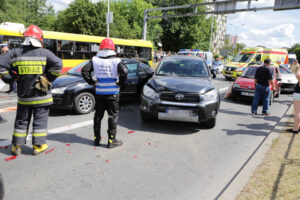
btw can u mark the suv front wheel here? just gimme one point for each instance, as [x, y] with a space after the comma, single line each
[211, 123]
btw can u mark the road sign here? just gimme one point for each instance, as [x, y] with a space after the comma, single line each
[109, 17]
[286, 4]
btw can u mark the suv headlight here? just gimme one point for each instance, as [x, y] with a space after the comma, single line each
[149, 92]
[60, 90]
[211, 96]
[240, 69]
[236, 86]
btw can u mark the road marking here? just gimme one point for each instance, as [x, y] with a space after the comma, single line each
[56, 130]
[4, 102]
[223, 89]
[14, 108]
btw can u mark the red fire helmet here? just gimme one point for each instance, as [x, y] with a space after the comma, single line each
[107, 44]
[34, 31]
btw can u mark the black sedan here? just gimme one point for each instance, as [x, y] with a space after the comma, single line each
[181, 90]
[70, 91]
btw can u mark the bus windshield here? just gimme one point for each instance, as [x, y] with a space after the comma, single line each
[243, 57]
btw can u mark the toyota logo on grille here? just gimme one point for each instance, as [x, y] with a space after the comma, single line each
[179, 97]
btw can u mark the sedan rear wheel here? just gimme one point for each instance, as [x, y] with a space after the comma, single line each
[84, 103]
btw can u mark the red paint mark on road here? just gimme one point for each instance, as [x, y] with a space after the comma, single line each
[149, 143]
[68, 145]
[69, 152]
[130, 132]
[156, 146]
[4, 147]
[135, 157]
[49, 151]
[10, 158]
[107, 161]
[8, 109]
[95, 148]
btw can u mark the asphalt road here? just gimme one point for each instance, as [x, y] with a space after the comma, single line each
[160, 160]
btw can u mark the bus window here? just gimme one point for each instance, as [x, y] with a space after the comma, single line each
[65, 49]
[129, 51]
[147, 53]
[94, 48]
[50, 44]
[13, 41]
[82, 50]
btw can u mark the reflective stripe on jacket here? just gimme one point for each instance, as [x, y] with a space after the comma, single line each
[106, 71]
[27, 64]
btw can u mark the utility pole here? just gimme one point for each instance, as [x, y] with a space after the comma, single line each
[107, 18]
[211, 33]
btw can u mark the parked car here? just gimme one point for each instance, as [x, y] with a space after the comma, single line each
[289, 79]
[243, 86]
[181, 90]
[70, 91]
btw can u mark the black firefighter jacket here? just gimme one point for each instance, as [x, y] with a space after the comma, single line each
[26, 65]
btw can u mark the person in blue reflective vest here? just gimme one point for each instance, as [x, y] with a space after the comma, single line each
[111, 73]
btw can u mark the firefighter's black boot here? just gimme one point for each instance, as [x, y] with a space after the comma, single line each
[97, 141]
[113, 142]
[97, 137]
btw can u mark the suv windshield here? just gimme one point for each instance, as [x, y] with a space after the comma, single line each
[243, 57]
[184, 68]
[249, 72]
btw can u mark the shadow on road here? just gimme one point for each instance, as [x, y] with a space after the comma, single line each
[129, 118]
[69, 138]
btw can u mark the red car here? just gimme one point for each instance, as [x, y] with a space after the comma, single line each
[243, 86]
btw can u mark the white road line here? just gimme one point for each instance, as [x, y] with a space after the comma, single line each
[56, 130]
[10, 101]
[223, 89]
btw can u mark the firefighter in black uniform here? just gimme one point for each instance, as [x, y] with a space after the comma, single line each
[110, 73]
[34, 68]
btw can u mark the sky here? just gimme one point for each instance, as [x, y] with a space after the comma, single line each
[273, 29]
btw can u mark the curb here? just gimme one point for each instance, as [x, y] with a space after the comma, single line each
[243, 176]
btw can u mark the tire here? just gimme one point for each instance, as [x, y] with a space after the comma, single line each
[84, 103]
[146, 117]
[228, 78]
[271, 98]
[1, 188]
[278, 94]
[210, 123]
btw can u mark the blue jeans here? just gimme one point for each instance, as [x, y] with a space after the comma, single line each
[261, 92]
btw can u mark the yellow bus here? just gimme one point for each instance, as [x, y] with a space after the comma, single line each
[74, 49]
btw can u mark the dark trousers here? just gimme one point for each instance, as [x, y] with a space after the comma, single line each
[261, 92]
[39, 126]
[111, 105]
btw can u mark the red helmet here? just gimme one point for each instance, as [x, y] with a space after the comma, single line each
[107, 44]
[34, 31]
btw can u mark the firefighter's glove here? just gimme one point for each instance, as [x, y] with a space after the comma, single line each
[43, 84]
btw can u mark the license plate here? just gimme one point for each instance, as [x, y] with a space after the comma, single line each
[247, 94]
[179, 112]
[288, 89]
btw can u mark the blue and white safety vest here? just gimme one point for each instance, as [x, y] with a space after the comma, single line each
[106, 71]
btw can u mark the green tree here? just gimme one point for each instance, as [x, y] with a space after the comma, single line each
[295, 49]
[184, 32]
[83, 17]
[27, 12]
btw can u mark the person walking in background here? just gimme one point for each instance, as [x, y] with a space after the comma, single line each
[110, 73]
[4, 73]
[34, 68]
[263, 78]
[296, 102]
[295, 66]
